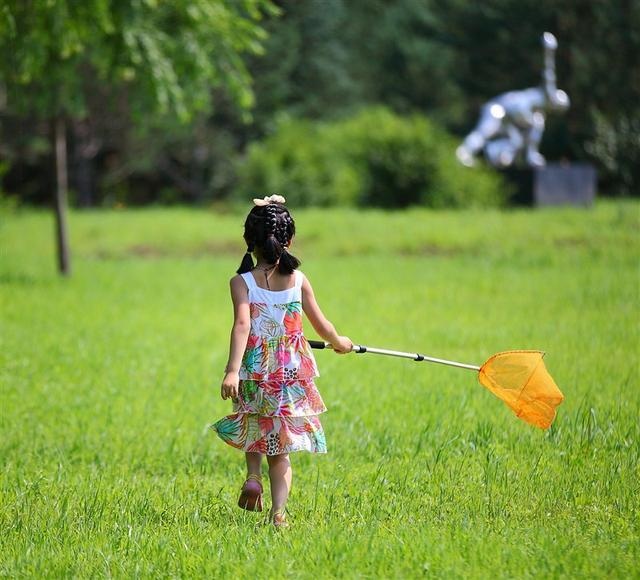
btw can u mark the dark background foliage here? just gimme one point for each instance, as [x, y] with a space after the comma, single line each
[326, 60]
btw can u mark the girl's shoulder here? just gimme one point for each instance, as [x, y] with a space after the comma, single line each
[236, 278]
[239, 282]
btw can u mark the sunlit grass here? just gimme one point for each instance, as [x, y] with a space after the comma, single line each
[110, 378]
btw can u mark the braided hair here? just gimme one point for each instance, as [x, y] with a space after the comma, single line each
[269, 229]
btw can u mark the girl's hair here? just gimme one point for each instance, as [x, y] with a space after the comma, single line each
[269, 229]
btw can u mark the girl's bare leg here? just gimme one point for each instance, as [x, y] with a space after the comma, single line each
[280, 476]
[254, 463]
[251, 494]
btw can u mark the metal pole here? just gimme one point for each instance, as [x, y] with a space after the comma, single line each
[361, 349]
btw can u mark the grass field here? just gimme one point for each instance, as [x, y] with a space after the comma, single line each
[110, 378]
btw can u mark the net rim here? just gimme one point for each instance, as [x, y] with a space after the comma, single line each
[542, 354]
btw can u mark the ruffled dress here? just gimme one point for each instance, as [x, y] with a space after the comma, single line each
[278, 404]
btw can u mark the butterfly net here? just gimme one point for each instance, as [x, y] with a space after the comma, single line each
[521, 380]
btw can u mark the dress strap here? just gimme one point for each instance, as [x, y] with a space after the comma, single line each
[299, 278]
[249, 280]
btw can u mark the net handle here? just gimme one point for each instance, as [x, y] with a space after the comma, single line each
[361, 349]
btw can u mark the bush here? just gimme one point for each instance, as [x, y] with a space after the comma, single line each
[373, 158]
[616, 147]
[300, 159]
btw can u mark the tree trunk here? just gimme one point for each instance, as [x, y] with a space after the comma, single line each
[60, 143]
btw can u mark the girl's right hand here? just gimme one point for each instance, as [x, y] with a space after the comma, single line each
[343, 345]
[229, 388]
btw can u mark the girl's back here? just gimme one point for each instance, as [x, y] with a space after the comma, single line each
[276, 348]
[271, 279]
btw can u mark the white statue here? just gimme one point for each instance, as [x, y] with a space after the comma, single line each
[511, 125]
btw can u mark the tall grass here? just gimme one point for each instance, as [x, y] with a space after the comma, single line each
[110, 378]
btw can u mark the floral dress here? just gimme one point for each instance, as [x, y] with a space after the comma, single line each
[278, 403]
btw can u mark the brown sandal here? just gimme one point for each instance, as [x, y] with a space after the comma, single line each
[251, 495]
[279, 519]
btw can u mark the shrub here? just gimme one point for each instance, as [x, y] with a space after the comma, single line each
[373, 158]
[616, 147]
[301, 160]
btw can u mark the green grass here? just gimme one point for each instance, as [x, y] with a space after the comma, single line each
[109, 379]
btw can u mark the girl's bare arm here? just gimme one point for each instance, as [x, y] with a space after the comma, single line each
[341, 344]
[239, 336]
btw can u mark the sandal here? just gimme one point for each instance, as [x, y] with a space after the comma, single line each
[251, 495]
[279, 519]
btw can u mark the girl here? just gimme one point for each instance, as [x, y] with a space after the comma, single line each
[271, 369]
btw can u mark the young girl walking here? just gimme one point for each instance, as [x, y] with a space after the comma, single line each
[271, 369]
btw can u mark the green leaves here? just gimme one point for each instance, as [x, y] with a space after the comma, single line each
[166, 57]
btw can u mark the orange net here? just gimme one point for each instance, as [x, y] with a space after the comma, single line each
[521, 380]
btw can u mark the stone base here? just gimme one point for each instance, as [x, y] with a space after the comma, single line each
[564, 184]
[553, 184]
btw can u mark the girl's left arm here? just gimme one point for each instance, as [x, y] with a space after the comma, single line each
[239, 336]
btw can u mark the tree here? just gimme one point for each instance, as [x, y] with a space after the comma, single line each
[495, 47]
[305, 69]
[447, 57]
[162, 58]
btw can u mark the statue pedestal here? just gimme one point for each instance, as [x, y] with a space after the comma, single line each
[564, 184]
[553, 184]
